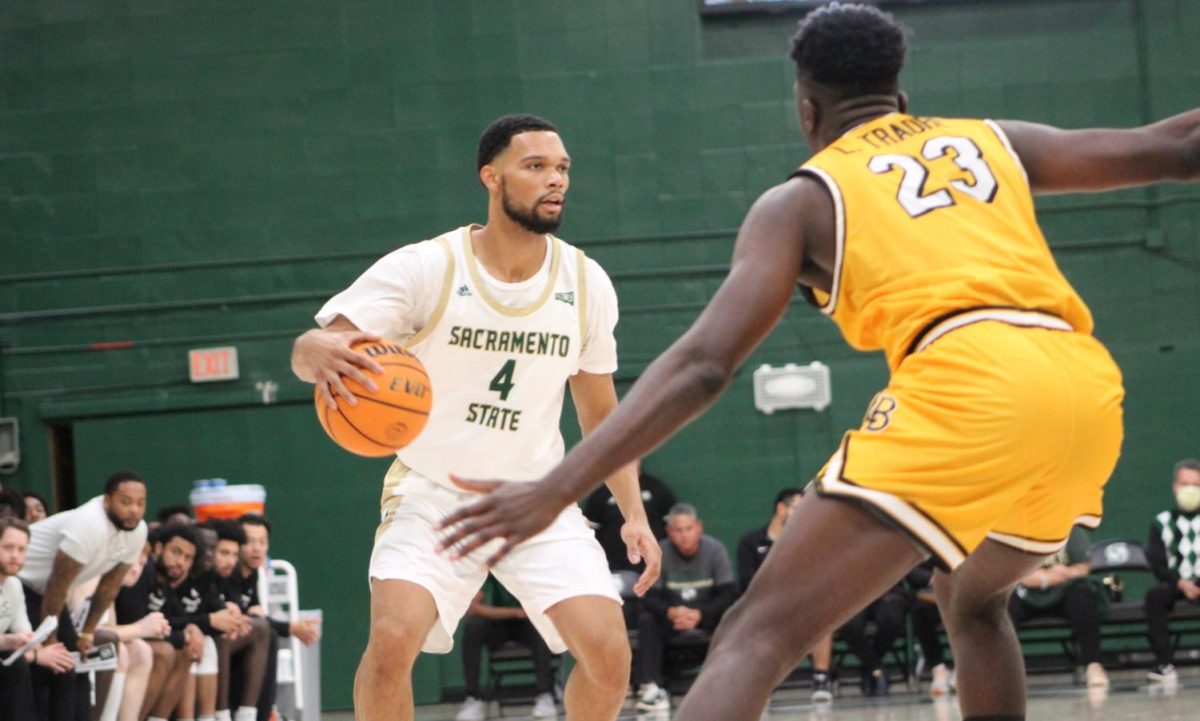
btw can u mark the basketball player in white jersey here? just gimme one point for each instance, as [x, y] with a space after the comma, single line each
[503, 316]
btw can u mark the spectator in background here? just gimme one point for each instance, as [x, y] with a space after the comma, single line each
[173, 514]
[1174, 556]
[888, 613]
[171, 561]
[135, 658]
[601, 510]
[926, 620]
[249, 647]
[253, 558]
[492, 622]
[1061, 588]
[12, 505]
[752, 551]
[696, 587]
[100, 538]
[16, 687]
[35, 506]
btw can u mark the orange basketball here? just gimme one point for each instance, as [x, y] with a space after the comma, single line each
[388, 418]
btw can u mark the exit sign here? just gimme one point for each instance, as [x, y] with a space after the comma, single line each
[213, 364]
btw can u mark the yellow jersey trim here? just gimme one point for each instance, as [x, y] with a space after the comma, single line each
[839, 214]
[581, 284]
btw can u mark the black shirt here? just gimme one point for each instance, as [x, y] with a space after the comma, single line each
[601, 509]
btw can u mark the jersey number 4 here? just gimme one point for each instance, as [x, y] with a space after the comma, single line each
[912, 196]
[502, 383]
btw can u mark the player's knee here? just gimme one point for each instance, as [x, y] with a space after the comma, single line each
[606, 660]
[394, 642]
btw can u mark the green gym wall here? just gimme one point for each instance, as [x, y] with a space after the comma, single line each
[180, 174]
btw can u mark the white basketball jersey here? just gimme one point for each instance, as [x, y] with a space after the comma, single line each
[498, 373]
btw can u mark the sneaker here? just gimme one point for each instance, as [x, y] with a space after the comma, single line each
[652, 697]
[543, 706]
[473, 709]
[821, 692]
[1096, 677]
[940, 685]
[1162, 673]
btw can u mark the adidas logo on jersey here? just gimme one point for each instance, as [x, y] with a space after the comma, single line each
[568, 297]
[463, 290]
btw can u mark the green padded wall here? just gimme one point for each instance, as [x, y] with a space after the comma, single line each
[178, 174]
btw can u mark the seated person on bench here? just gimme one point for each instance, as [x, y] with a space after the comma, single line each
[490, 625]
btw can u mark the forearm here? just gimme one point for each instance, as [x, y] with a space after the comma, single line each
[1184, 127]
[300, 368]
[674, 389]
[628, 493]
[105, 594]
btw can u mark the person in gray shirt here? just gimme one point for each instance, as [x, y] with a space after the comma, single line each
[697, 585]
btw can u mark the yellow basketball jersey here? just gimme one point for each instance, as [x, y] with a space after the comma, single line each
[934, 216]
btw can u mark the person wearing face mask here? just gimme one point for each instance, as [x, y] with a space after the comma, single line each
[1174, 555]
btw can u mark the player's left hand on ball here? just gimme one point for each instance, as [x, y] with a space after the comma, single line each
[510, 511]
[641, 545]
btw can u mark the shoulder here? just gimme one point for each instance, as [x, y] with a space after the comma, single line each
[424, 253]
[12, 587]
[712, 545]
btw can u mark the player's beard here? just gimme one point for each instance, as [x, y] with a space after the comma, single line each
[528, 218]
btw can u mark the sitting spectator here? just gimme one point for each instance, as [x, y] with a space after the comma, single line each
[174, 550]
[494, 622]
[135, 659]
[696, 587]
[35, 506]
[888, 613]
[1173, 556]
[752, 551]
[926, 620]
[253, 558]
[12, 505]
[1061, 588]
[101, 539]
[172, 514]
[250, 642]
[213, 618]
[16, 688]
[600, 508]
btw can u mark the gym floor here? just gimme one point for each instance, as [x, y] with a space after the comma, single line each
[1050, 697]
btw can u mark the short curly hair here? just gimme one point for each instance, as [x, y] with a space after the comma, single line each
[851, 49]
[497, 136]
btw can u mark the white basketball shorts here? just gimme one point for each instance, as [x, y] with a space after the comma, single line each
[561, 562]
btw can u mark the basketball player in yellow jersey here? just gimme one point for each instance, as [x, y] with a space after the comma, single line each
[1002, 418]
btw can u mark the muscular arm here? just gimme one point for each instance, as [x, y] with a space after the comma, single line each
[62, 574]
[1096, 159]
[105, 594]
[595, 398]
[695, 370]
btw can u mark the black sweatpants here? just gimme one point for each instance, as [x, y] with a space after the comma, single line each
[1079, 607]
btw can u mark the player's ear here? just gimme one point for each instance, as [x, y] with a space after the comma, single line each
[809, 115]
[902, 101]
[490, 178]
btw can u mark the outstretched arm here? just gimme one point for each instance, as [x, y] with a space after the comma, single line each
[677, 387]
[1096, 159]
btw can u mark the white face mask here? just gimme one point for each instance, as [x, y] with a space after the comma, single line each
[1188, 498]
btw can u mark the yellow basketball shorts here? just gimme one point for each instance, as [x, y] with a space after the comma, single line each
[993, 431]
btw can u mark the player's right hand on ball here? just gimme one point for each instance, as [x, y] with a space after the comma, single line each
[324, 357]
